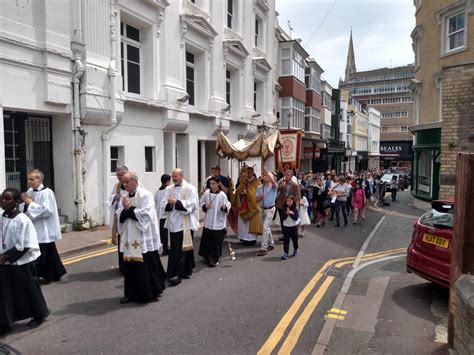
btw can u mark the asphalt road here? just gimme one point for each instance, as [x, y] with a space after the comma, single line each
[232, 309]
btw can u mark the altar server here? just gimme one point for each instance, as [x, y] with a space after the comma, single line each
[20, 292]
[215, 204]
[40, 206]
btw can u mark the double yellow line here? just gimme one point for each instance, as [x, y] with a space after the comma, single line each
[295, 332]
[93, 254]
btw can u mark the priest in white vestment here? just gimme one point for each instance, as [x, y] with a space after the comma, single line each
[114, 198]
[139, 242]
[215, 205]
[20, 292]
[181, 203]
[40, 206]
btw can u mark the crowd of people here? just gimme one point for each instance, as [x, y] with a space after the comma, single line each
[143, 223]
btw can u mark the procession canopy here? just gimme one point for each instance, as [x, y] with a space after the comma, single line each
[260, 146]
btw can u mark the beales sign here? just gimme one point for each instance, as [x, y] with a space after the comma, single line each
[392, 150]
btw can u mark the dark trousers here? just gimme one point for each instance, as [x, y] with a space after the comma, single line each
[120, 255]
[180, 263]
[340, 206]
[290, 233]
[394, 194]
[49, 265]
[349, 205]
[164, 236]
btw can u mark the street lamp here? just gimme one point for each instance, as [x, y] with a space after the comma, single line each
[290, 115]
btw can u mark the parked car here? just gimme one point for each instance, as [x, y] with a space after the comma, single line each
[402, 180]
[429, 253]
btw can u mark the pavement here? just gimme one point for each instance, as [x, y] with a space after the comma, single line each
[383, 309]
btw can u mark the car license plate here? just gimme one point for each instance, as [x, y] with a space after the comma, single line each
[432, 239]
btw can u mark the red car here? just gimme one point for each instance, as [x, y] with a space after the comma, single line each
[429, 253]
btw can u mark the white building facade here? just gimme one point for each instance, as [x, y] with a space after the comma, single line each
[374, 137]
[145, 83]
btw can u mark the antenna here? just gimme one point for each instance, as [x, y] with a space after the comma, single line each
[290, 28]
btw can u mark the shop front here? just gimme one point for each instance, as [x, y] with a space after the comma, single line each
[396, 154]
[426, 164]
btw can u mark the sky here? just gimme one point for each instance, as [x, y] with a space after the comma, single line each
[380, 30]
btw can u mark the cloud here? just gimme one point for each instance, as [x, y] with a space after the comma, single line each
[381, 31]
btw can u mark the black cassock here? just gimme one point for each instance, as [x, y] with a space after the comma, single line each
[211, 245]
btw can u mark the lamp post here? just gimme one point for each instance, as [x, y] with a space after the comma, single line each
[313, 166]
[290, 115]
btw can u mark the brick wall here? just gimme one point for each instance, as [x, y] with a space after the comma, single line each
[464, 316]
[457, 132]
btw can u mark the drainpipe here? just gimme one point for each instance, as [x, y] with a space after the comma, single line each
[79, 198]
[112, 73]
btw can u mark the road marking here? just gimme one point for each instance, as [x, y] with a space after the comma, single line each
[334, 316]
[337, 311]
[284, 322]
[300, 323]
[90, 255]
[279, 331]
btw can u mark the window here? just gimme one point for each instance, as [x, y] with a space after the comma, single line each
[255, 95]
[292, 64]
[228, 85]
[258, 29]
[383, 77]
[190, 76]
[390, 100]
[130, 53]
[149, 159]
[404, 128]
[116, 158]
[383, 129]
[312, 80]
[311, 119]
[292, 112]
[230, 12]
[455, 32]
[395, 114]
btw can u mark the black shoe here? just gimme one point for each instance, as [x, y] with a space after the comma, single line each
[331, 219]
[345, 224]
[125, 300]
[318, 225]
[336, 225]
[36, 322]
[165, 252]
[174, 281]
[280, 238]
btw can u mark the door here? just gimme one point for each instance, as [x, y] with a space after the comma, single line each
[28, 145]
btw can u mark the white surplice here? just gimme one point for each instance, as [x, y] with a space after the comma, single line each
[146, 225]
[43, 211]
[174, 218]
[160, 209]
[215, 219]
[19, 233]
[113, 203]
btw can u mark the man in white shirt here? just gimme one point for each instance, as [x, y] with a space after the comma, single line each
[40, 206]
[181, 203]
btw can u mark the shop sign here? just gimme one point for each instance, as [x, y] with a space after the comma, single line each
[391, 151]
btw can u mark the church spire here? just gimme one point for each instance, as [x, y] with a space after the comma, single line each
[350, 63]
